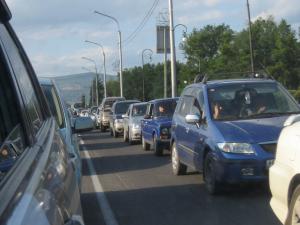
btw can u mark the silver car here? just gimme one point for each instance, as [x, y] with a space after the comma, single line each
[37, 179]
[132, 122]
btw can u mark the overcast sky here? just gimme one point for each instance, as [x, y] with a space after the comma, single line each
[53, 31]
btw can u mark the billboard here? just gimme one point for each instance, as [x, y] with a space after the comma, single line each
[162, 36]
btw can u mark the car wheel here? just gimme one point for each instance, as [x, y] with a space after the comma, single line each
[115, 133]
[158, 150]
[211, 183]
[294, 208]
[146, 146]
[177, 167]
[125, 136]
[101, 128]
[111, 132]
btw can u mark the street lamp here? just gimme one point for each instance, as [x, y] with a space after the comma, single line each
[104, 65]
[120, 48]
[151, 53]
[93, 61]
[89, 70]
[184, 32]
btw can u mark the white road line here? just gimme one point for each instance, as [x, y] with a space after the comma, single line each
[106, 210]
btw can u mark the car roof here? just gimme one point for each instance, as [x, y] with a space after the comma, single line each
[215, 83]
[140, 103]
[113, 98]
[127, 101]
[163, 99]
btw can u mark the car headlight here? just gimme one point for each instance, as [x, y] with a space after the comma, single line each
[164, 131]
[135, 126]
[119, 121]
[238, 148]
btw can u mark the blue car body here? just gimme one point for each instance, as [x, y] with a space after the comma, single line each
[152, 125]
[194, 141]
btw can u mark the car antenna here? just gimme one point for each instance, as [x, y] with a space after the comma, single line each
[267, 75]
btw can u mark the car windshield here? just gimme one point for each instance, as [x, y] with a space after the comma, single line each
[248, 101]
[139, 110]
[122, 107]
[165, 108]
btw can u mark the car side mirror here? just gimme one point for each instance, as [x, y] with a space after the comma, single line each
[83, 124]
[147, 117]
[193, 119]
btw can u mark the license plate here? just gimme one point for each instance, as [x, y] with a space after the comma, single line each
[269, 163]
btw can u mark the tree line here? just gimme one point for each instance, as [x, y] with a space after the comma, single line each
[220, 52]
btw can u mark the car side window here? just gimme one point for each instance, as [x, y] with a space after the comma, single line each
[12, 139]
[54, 104]
[187, 103]
[23, 78]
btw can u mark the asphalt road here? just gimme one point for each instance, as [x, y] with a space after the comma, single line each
[141, 190]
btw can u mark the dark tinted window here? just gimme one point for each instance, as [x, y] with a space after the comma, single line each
[165, 108]
[12, 142]
[54, 104]
[139, 110]
[122, 107]
[23, 78]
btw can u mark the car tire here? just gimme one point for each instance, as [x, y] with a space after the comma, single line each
[146, 146]
[293, 214]
[116, 134]
[111, 132]
[102, 129]
[177, 167]
[211, 183]
[125, 136]
[158, 150]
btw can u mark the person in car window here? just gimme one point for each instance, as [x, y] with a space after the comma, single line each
[161, 110]
[217, 109]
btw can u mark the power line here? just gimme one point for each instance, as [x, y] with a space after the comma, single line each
[133, 35]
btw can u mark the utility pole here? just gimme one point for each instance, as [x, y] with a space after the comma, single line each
[97, 91]
[104, 65]
[120, 48]
[165, 64]
[92, 88]
[250, 39]
[172, 47]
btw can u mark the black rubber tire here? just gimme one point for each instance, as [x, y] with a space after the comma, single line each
[158, 149]
[145, 145]
[211, 183]
[178, 168]
[295, 198]
[125, 136]
[111, 132]
[131, 142]
[102, 129]
[115, 133]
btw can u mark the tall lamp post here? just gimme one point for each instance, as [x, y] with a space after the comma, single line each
[143, 63]
[87, 69]
[120, 48]
[104, 65]
[185, 29]
[173, 53]
[250, 39]
[93, 61]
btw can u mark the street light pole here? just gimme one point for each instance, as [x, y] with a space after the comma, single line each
[143, 63]
[104, 65]
[250, 39]
[93, 61]
[173, 56]
[93, 99]
[120, 48]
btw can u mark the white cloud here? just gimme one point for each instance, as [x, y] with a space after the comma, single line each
[209, 15]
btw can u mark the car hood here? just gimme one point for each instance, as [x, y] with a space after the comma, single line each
[251, 131]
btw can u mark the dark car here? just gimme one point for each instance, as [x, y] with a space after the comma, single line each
[156, 125]
[37, 178]
[228, 129]
[118, 109]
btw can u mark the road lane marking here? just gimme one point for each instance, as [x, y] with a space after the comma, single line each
[106, 210]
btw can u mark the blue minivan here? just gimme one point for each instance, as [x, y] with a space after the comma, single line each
[156, 124]
[228, 129]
